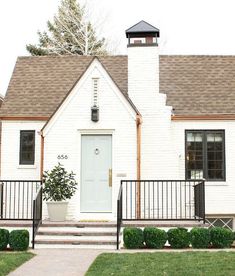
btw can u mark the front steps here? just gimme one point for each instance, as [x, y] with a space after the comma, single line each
[95, 235]
[100, 235]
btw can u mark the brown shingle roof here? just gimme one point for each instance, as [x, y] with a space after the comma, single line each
[195, 85]
[199, 85]
[39, 84]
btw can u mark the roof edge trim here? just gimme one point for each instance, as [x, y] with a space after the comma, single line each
[203, 117]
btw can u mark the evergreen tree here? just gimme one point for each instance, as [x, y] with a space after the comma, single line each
[69, 33]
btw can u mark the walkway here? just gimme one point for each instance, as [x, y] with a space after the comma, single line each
[58, 262]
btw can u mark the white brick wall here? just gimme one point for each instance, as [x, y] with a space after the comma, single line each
[143, 85]
[219, 195]
[63, 135]
[10, 149]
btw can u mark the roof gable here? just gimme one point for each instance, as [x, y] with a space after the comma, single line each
[95, 64]
[39, 84]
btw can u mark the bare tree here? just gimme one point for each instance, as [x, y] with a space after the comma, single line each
[71, 32]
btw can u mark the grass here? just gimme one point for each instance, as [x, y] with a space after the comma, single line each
[11, 260]
[172, 263]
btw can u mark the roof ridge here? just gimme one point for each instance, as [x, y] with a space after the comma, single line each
[70, 56]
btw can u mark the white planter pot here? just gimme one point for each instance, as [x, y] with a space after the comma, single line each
[57, 210]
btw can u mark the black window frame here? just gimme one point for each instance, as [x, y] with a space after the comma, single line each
[21, 161]
[204, 150]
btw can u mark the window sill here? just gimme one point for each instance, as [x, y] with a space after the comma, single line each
[27, 167]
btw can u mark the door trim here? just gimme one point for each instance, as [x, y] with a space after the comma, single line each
[95, 132]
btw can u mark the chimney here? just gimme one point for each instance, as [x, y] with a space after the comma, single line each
[143, 66]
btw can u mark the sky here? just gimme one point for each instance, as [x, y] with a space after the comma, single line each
[186, 26]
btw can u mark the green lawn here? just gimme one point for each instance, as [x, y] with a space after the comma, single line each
[10, 261]
[182, 264]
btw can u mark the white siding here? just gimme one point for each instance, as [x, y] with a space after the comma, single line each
[63, 134]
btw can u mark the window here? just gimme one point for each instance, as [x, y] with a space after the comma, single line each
[205, 155]
[27, 147]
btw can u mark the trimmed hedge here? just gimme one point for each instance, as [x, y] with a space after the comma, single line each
[154, 237]
[200, 237]
[133, 237]
[19, 240]
[4, 238]
[221, 237]
[178, 237]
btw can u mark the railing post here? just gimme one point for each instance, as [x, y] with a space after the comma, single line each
[1, 199]
[33, 230]
[41, 202]
[204, 202]
[138, 196]
[118, 223]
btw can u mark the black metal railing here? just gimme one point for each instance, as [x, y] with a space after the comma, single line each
[16, 199]
[37, 214]
[160, 200]
[22, 200]
[119, 214]
[199, 201]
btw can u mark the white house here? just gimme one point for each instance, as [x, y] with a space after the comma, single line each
[143, 116]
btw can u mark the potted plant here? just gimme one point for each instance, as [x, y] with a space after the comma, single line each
[59, 186]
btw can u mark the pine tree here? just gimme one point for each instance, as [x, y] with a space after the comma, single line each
[69, 33]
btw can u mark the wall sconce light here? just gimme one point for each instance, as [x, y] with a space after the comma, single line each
[95, 113]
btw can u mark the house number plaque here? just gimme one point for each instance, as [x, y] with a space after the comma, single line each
[62, 156]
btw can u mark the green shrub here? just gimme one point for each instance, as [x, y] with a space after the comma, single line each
[4, 238]
[178, 237]
[200, 237]
[221, 237]
[154, 237]
[133, 237]
[19, 239]
[59, 185]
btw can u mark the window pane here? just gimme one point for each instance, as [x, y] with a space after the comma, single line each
[27, 140]
[215, 156]
[211, 155]
[194, 155]
[211, 174]
[218, 155]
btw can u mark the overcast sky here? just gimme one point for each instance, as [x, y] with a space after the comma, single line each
[186, 26]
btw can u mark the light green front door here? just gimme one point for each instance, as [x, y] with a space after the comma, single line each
[96, 173]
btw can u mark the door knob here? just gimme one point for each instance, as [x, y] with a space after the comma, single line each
[110, 177]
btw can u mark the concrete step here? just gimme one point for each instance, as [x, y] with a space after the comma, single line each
[71, 241]
[75, 238]
[75, 233]
[76, 246]
[79, 224]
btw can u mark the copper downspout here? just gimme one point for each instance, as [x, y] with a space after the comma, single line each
[138, 193]
[0, 148]
[42, 157]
